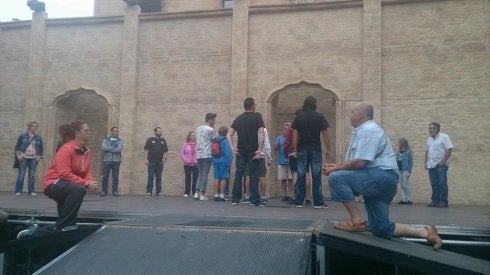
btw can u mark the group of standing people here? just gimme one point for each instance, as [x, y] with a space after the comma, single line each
[371, 168]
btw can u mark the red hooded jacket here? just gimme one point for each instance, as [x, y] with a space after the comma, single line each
[71, 164]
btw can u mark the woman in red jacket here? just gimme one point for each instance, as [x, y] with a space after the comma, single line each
[70, 175]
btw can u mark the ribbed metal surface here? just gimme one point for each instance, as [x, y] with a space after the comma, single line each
[232, 222]
[149, 250]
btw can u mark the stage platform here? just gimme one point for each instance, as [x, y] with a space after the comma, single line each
[174, 235]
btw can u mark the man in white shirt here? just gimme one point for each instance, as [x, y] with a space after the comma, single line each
[438, 149]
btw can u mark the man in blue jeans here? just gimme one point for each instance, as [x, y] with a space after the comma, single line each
[438, 149]
[370, 170]
[307, 127]
[247, 151]
[111, 147]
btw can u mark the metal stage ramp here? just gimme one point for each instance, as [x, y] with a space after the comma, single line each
[177, 244]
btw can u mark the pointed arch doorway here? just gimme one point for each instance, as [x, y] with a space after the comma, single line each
[94, 108]
[283, 103]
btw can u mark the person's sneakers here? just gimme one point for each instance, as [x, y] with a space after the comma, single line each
[216, 198]
[33, 194]
[203, 198]
[402, 202]
[246, 200]
[115, 194]
[298, 206]
[18, 194]
[148, 195]
[307, 202]
[263, 200]
[222, 199]
[409, 203]
[69, 228]
[103, 194]
[186, 196]
[320, 206]
[159, 195]
[234, 203]
[196, 196]
[25, 234]
[257, 204]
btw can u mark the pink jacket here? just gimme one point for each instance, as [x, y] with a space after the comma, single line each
[188, 154]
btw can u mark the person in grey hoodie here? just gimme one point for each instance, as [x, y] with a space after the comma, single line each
[112, 147]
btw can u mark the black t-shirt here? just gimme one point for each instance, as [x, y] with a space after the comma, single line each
[156, 148]
[247, 126]
[309, 125]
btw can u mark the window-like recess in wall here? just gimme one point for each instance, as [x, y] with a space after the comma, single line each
[150, 6]
[227, 4]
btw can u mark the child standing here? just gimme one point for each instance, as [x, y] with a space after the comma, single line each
[221, 165]
[404, 158]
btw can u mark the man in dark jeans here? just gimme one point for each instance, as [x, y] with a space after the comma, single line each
[156, 154]
[111, 147]
[307, 127]
[248, 149]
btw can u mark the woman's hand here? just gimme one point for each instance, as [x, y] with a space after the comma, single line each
[93, 185]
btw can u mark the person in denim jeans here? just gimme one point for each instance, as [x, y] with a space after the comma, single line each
[438, 149]
[247, 151]
[28, 151]
[404, 160]
[370, 170]
[112, 147]
[307, 126]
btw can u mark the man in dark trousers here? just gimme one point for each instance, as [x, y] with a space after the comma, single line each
[111, 147]
[307, 126]
[247, 151]
[156, 154]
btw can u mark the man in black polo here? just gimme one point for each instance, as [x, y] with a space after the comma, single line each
[156, 154]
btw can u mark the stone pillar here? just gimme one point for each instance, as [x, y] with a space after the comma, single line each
[239, 56]
[129, 93]
[372, 56]
[35, 69]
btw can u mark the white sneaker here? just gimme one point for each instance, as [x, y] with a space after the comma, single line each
[203, 198]
[186, 196]
[18, 194]
[33, 194]
[24, 234]
[196, 196]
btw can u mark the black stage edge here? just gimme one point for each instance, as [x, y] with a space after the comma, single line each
[362, 253]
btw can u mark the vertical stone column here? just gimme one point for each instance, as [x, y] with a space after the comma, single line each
[35, 69]
[129, 92]
[239, 56]
[372, 55]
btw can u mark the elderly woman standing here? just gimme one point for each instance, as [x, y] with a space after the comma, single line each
[28, 151]
[70, 175]
[188, 156]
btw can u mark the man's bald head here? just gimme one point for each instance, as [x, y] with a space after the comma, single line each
[361, 112]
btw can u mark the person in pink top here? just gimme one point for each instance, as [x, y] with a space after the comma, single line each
[70, 175]
[188, 156]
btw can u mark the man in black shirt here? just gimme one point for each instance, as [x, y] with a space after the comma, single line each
[307, 127]
[156, 154]
[247, 151]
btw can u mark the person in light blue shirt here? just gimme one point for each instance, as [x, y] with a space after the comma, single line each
[370, 170]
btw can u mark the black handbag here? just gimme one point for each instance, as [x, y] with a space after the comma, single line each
[16, 162]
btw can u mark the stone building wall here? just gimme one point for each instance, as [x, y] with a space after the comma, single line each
[417, 61]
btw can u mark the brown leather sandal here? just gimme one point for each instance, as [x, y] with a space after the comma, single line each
[432, 237]
[350, 226]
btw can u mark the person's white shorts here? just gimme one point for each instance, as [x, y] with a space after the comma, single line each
[283, 172]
